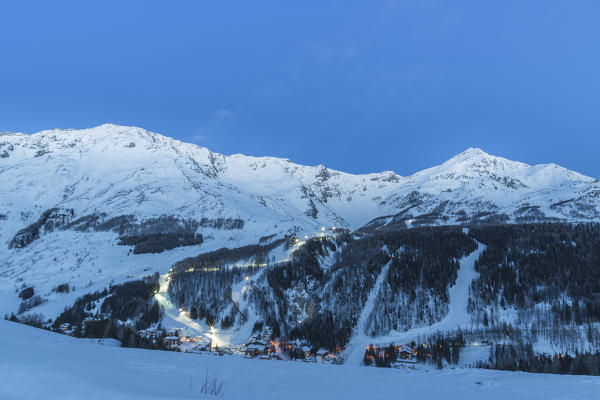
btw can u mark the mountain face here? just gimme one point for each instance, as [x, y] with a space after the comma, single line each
[476, 187]
[130, 171]
[110, 203]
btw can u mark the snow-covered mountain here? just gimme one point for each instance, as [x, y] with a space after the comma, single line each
[477, 187]
[69, 196]
[125, 170]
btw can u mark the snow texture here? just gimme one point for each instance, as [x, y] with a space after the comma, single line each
[39, 364]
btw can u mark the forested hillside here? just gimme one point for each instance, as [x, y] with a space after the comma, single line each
[535, 291]
[535, 281]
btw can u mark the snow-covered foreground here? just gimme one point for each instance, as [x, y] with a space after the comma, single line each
[38, 364]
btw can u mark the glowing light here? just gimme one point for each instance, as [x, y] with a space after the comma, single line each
[323, 228]
[247, 278]
[181, 309]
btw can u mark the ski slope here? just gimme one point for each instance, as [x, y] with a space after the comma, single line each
[37, 364]
[456, 317]
[355, 348]
[173, 318]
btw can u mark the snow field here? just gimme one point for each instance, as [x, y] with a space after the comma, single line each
[39, 364]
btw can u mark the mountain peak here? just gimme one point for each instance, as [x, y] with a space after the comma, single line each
[120, 129]
[471, 153]
[476, 158]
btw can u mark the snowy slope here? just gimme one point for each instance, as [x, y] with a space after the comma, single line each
[114, 171]
[456, 317]
[126, 170]
[39, 364]
[359, 340]
[475, 186]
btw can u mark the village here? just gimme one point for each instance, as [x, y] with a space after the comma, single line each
[260, 346]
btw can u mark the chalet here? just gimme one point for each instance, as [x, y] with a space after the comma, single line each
[254, 350]
[330, 358]
[307, 351]
[320, 355]
[406, 355]
[171, 341]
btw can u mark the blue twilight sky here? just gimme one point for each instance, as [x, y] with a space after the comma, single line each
[360, 86]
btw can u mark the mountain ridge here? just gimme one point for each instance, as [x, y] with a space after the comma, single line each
[90, 208]
[327, 194]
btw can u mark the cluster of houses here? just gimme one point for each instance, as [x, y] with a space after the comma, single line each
[320, 355]
[262, 346]
[66, 329]
[391, 355]
[150, 334]
[174, 339]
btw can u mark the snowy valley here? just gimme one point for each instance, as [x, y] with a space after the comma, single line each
[117, 232]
